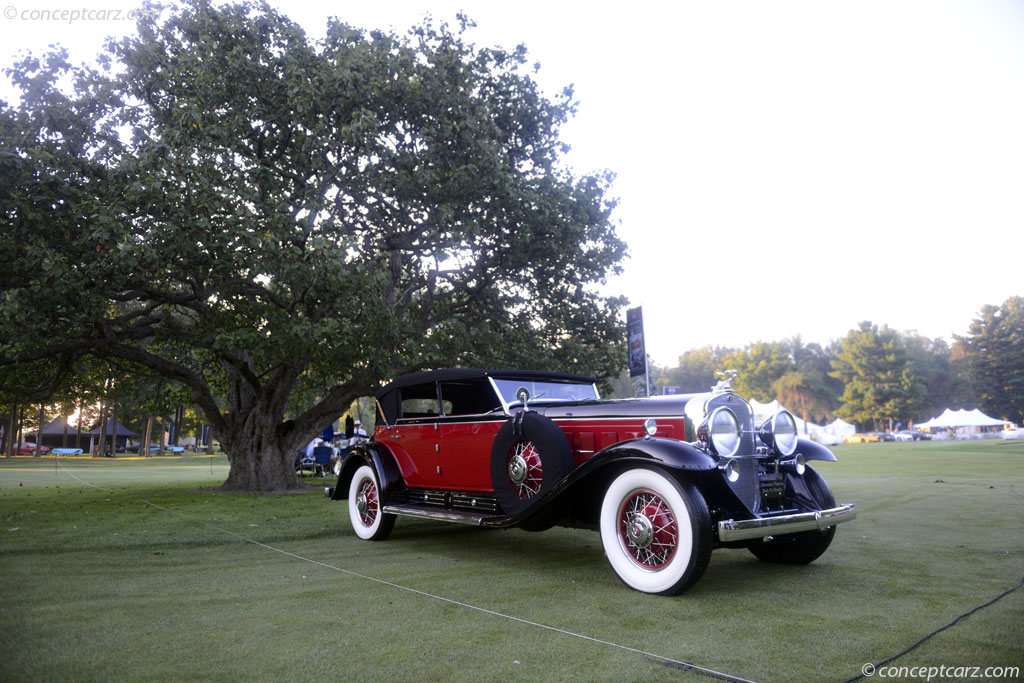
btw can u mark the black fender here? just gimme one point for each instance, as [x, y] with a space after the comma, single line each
[671, 453]
[812, 450]
[599, 469]
[383, 462]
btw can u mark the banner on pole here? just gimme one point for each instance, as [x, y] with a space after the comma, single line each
[635, 335]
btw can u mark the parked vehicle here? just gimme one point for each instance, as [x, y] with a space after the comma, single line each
[664, 480]
[861, 438]
[911, 435]
[29, 448]
[138, 447]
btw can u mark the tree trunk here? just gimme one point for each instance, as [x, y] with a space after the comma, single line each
[259, 459]
[115, 429]
[39, 431]
[64, 441]
[11, 431]
[103, 431]
[144, 449]
[78, 426]
[21, 427]
[160, 431]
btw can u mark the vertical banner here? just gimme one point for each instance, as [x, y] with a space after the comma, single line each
[635, 335]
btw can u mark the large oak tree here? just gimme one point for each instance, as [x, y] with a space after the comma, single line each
[256, 215]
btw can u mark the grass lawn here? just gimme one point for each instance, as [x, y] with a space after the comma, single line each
[128, 570]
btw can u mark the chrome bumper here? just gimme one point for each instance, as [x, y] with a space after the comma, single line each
[744, 529]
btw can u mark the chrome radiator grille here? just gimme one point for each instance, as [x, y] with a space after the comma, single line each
[748, 487]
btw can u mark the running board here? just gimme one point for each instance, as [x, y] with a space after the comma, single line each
[443, 515]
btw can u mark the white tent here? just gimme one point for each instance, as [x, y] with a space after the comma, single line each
[840, 428]
[763, 411]
[954, 419]
[962, 424]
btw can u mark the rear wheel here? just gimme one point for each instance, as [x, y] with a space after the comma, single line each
[369, 521]
[655, 531]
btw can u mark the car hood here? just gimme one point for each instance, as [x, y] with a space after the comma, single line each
[655, 406]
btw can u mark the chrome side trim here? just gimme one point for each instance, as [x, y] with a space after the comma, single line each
[745, 529]
[435, 513]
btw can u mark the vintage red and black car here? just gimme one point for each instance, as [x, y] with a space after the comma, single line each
[664, 480]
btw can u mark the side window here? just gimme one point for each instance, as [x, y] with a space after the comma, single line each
[419, 401]
[469, 397]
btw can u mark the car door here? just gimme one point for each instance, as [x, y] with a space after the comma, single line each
[413, 439]
[471, 418]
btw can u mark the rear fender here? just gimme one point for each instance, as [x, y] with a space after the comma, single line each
[383, 462]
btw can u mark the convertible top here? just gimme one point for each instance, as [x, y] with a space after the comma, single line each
[449, 374]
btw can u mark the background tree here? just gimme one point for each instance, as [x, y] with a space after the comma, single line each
[759, 366]
[804, 393]
[696, 369]
[880, 383]
[994, 350]
[943, 385]
[247, 213]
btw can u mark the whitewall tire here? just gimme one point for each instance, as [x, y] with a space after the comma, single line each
[365, 508]
[655, 531]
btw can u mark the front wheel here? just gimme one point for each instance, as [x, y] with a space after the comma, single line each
[806, 547]
[656, 531]
[368, 519]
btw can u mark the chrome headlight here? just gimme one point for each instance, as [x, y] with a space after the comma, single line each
[721, 432]
[779, 433]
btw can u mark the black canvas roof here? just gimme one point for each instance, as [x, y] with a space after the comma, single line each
[448, 374]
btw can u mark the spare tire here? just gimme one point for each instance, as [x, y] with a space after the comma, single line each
[529, 456]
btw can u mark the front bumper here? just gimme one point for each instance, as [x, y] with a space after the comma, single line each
[745, 529]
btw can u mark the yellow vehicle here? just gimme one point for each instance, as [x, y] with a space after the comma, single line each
[860, 438]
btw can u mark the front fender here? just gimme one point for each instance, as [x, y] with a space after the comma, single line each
[812, 450]
[381, 459]
[669, 452]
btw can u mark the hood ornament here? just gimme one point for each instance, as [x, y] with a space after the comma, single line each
[724, 378]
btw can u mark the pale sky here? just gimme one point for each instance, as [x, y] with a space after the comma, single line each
[784, 168]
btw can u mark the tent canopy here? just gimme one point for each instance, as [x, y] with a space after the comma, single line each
[121, 430]
[57, 427]
[962, 418]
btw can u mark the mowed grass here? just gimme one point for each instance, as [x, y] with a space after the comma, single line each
[151, 577]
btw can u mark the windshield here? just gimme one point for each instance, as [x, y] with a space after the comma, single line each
[545, 390]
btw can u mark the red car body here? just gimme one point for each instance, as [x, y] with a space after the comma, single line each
[29, 448]
[665, 480]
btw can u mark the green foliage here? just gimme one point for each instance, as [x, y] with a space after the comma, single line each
[696, 369]
[879, 377]
[273, 222]
[994, 352]
[805, 393]
[759, 366]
